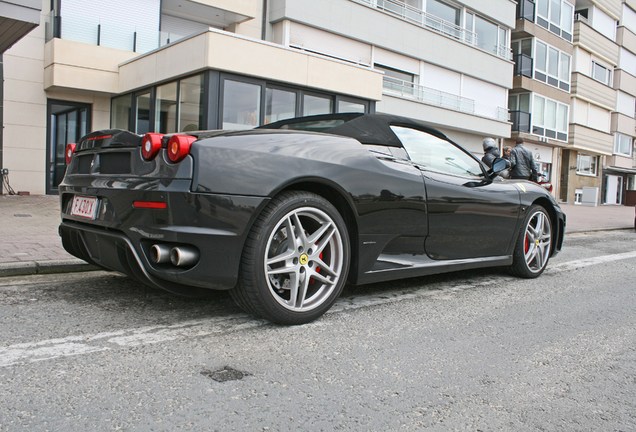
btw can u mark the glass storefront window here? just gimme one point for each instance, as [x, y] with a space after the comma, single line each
[120, 112]
[314, 105]
[142, 114]
[279, 105]
[166, 108]
[241, 105]
[347, 107]
[191, 104]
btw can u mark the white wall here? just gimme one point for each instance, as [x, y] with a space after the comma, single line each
[589, 115]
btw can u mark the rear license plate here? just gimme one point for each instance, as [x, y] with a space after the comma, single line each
[85, 207]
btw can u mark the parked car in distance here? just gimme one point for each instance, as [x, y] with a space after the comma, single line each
[284, 215]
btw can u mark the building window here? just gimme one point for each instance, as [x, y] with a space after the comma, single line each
[550, 118]
[519, 106]
[552, 66]
[166, 108]
[314, 105]
[601, 73]
[241, 104]
[489, 36]
[397, 80]
[279, 104]
[191, 104]
[346, 106]
[623, 145]
[556, 16]
[142, 113]
[120, 112]
[586, 165]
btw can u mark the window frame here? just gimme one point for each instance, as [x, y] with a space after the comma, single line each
[545, 75]
[546, 20]
[608, 73]
[621, 139]
[540, 124]
[589, 169]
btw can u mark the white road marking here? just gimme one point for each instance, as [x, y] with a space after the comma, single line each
[30, 352]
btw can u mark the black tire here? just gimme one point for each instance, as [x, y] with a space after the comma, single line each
[534, 244]
[295, 261]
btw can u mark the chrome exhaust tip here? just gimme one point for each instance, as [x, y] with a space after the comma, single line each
[160, 253]
[183, 256]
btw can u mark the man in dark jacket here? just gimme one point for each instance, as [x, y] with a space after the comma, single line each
[490, 151]
[522, 161]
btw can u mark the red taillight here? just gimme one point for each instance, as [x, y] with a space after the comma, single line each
[68, 154]
[150, 204]
[150, 145]
[179, 147]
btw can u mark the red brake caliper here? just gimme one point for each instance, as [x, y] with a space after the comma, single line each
[311, 280]
[526, 244]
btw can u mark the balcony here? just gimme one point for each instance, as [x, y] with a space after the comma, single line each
[17, 18]
[588, 88]
[523, 65]
[520, 121]
[431, 22]
[406, 89]
[625, 38]
[591, 140]
[624, 81]
[593, 41]
[525, 10]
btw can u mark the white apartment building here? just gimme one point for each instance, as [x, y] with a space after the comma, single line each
[178, 65]
[599, 165]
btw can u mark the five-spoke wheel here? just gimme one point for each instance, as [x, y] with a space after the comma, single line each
[296, 260]
[533, 247]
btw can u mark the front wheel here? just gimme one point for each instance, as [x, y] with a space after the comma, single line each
[533, 247]
[295, 260]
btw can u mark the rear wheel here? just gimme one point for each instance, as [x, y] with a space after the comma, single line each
[295, 260]
[534, 243]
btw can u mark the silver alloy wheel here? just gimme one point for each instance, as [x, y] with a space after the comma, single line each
[537, 241]
[304, 259]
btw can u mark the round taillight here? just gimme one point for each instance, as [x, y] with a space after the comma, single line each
[150, 145]
[68, 154]
[179, 147]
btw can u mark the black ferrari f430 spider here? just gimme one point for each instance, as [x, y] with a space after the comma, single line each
[285, 215]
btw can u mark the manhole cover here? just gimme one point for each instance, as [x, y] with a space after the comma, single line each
[225, 374]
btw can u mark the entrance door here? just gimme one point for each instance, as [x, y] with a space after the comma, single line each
[613, 189]
[68, 122]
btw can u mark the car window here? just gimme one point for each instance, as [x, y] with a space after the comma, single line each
[315, 125]
[437, 154]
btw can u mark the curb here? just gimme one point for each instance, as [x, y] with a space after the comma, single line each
[27, 268]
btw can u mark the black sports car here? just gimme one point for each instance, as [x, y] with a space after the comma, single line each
[284, 215]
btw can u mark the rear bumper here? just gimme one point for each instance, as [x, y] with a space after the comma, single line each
[121, 237]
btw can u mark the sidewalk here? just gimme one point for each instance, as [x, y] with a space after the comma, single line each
[31, 245]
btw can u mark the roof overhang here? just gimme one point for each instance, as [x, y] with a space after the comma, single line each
[17, 18]
[621, 170]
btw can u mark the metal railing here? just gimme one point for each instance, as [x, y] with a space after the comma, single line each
[432, 22]
[520, 121]
[523, 65]
[428, 95]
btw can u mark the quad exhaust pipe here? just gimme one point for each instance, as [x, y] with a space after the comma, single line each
[179, 256]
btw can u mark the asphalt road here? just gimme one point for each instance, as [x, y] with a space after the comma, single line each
[466, 351]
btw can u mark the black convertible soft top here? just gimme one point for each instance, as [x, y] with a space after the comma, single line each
[366, 128]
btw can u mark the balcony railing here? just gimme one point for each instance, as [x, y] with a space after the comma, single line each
[520, 121]
[428, 95]
[525, 10]
[432, 22]
[523, 65]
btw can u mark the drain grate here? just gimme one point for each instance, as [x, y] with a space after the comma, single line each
[21, 215]
[225, 374]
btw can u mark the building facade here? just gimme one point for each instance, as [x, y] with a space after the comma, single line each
[178, 65]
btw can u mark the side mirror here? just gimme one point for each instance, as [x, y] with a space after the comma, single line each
[498, 165]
